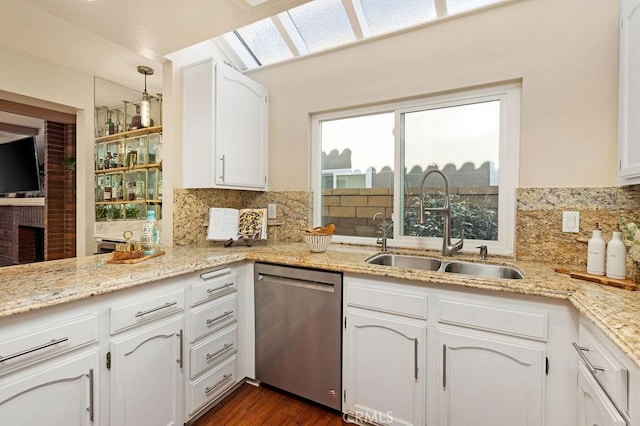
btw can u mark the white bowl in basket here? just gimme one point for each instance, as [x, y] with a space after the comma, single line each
[317, 243]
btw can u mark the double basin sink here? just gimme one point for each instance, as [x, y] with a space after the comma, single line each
[453, 267]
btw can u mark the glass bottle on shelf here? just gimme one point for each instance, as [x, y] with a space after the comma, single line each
[142, 152]
[131, 191]
[159, 191]
[121, 156]
[109, 126]
[99, 190]
[107, 188]
[120, 192]
[140, 188]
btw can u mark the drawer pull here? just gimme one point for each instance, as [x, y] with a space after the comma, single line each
[213, 290]
[221, 381]
[166, 305]
[205, 276]
[219, 351]
[581, 350]
[35, 348]
[219, 317]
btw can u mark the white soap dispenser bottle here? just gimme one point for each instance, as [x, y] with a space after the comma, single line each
[616, 257]
[596, 253]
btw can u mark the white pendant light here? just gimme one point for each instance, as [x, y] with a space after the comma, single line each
[145, 105]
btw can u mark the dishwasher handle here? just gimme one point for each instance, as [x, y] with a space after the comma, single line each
[296, 282]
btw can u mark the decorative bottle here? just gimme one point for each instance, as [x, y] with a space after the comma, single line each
[140, 189]
[616, 257]
[596, 253]
[150, 237]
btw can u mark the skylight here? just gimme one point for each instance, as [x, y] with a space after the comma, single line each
[324, 24]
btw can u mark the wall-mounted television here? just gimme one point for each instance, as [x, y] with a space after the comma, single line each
[19, 171]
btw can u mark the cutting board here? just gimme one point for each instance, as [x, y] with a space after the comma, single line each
[600, 279]
[138, 260]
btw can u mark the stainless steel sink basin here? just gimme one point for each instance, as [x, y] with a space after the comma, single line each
[402, 261]
[483, 270]
[452, 267]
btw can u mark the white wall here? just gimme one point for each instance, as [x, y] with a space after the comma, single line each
[564, 51]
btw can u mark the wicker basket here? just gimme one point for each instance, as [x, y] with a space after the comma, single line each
[317, 243]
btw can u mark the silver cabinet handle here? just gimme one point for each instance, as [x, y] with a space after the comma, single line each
[209, 275]
[181, 336]
[166, 305]
[53, 342]
[415, 358]
[222, 174]
[212, 320]
[213, 290]
[91, 401]
[581, 350]
[221, 381]
[444, 366]
[219, 351]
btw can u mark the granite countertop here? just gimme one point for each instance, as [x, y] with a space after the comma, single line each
[34, 286]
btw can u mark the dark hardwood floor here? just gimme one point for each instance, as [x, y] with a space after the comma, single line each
[250, 405]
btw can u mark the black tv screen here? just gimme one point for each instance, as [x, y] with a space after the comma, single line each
[19, 166]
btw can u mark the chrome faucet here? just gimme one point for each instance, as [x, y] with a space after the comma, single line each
[447, 248]
[382, 231]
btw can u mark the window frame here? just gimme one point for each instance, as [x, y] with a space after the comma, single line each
[509, 151]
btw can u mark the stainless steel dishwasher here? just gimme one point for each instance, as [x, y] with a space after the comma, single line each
[298, 331]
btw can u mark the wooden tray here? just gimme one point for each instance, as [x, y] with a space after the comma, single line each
[626, 284]
[138, 260]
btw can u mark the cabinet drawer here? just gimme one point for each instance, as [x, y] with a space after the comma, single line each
[212, 350]
[212, 385]
[531, 325]
[142, 311]
[37, 344]
[213, 284]
[214, 316]
[393, 302]
[610, 372]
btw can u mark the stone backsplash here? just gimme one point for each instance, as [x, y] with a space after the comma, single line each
[191, 212]
[539, 235]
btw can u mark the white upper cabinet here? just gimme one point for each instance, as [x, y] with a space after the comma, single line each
[629, 94]
[224, 129]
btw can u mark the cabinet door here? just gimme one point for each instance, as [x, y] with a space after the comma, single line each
[241, 131]
[53, 393]
[594, 407]
[384, 360]
[486, 382]
[198, 156]
[629, 93]
[146, 376]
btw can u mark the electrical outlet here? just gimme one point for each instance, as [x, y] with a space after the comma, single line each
[570, 221]
[271, 211]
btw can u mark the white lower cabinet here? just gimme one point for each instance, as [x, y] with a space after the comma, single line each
[384, 373]
[60, 392]
[146, 375]
[485, 381]
[594, 406]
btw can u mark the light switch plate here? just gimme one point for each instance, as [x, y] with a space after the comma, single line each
[570, 221]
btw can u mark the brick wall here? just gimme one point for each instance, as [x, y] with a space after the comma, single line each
[12, 219]
[59, 186]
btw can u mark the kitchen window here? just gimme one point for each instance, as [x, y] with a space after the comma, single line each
[374, 159]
